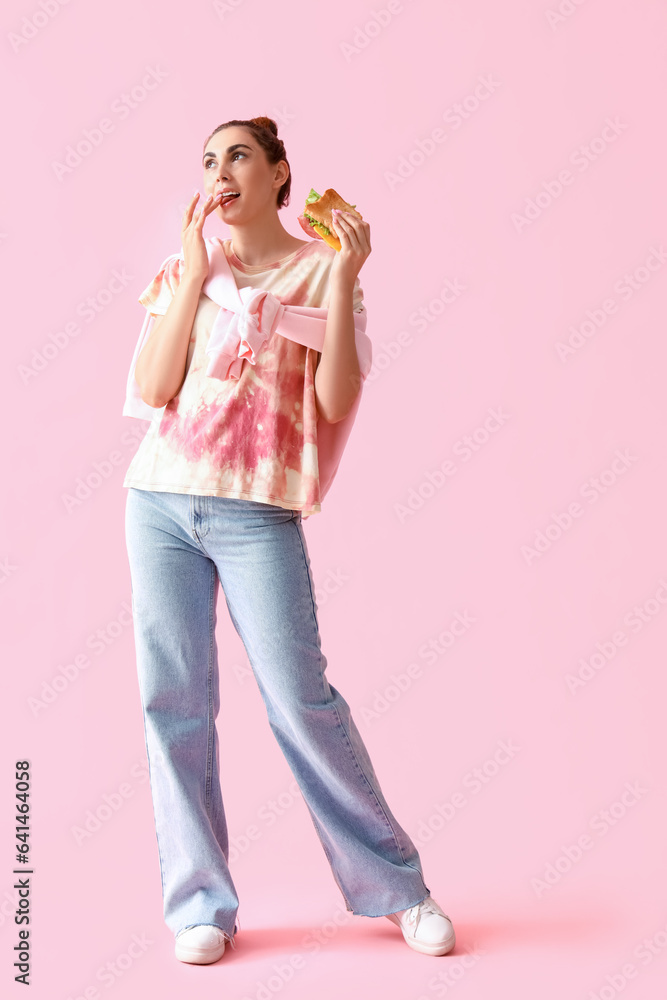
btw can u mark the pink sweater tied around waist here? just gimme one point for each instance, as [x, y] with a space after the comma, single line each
[247, 318]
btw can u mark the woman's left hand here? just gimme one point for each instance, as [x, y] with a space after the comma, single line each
[355, 245]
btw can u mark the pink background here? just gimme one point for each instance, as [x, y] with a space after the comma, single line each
[354, 97]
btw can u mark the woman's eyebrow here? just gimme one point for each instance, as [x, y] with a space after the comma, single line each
[230, 149]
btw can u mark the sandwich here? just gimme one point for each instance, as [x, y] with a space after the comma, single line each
[316, 218]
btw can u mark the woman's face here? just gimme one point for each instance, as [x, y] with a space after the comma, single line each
[234, 161]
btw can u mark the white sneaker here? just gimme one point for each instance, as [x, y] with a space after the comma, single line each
[201, 944]
[426, 927]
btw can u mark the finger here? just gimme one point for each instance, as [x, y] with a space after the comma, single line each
[187, 214]
[192, 222]
[347, 227]
[339, 232]
[340, 224]
[214, 204]
[363, 232]
[210, 204]
[205, 209]
[349, 220]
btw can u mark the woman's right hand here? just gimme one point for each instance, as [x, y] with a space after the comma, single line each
[194, 248]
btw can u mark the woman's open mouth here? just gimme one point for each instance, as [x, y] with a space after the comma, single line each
[229, 198]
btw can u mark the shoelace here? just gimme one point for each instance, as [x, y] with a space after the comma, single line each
[419, 909]
[231, 938]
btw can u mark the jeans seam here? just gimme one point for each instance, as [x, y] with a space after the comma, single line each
[326, 850]
[371, 789]
[209, 684]
[157, 836]
[361, 771]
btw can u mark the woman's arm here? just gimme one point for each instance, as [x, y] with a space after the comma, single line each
[160, 367]
[337, 377]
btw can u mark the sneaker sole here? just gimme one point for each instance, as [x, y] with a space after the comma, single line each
[199, 956]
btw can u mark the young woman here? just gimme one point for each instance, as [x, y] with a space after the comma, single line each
[216, 493]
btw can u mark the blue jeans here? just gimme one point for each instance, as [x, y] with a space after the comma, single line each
[179, 546]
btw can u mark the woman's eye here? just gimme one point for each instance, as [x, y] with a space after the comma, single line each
[210, 163]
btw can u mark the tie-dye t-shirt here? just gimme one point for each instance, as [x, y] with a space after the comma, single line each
[255, 437]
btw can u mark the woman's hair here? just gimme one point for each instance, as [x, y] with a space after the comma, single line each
[265, 131]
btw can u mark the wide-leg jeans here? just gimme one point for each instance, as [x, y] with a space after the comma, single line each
[180, 546]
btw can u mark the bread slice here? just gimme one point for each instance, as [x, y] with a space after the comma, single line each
[321, 210]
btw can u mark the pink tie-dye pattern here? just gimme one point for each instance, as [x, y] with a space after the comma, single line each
[250, 425]
[248, 440]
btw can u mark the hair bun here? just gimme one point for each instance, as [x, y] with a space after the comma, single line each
[267, 123]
